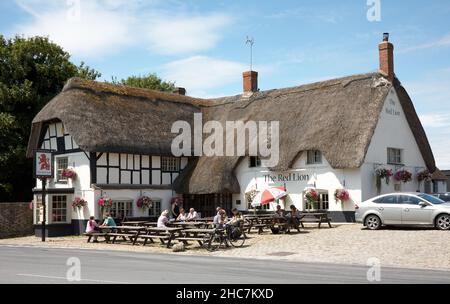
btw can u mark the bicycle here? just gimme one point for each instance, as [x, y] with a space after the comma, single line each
[230, 235]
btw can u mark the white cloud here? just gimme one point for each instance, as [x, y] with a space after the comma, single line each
[435, 120]
[175, 35]
[441, 42]
[198, 74]
[90, 29]
[94, 28]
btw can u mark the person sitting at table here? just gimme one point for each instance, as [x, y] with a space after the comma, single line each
[236, 219]
[279, 212]
[182, 216]
[163, 219]
[293, 218]
[92, 227]
[192, 216]
[220, 219]
[109, 221]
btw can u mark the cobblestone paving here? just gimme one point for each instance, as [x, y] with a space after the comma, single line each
[344, 244]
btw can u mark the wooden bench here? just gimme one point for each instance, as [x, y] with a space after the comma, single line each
[151, 237]
[185, 240]
[96, 234]
[316, 218]
[124, 236]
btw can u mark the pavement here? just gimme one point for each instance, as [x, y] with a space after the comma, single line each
[34, 265]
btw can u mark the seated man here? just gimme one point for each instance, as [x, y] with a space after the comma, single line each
[220, 219]
[279, 212]
[236, 219]
[109, 221]
[293, 218]
[163, 219]
[192, 216]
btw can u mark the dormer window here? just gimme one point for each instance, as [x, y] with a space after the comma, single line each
[314, 157]
[254, 162]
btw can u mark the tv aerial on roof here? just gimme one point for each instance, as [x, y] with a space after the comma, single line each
[250, 42]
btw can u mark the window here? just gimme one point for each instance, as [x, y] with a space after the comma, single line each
[170, 164]
[255, 162]
[155, 210]
[39, 210]
[390, 199]
[238, 202]
[61, 164]
[323, 201]
[59, 209]
[121, 209]
[407, 199]
[314, 157]
[435, 186]
[394, 156]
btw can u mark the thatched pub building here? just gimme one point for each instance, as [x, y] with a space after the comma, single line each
[334, 134]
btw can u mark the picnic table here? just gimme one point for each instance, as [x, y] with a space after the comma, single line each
[199, 235]
[130, 232]
[189, 225]
[150, 224]
[134, 223]
[315, 217]
[259, 222]
[163, 234]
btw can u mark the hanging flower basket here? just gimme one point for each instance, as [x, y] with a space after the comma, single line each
[383, 173]
[424, 175]
[144, 202]
[250, 196]
[312, 197]
[341, 195]
[403, 176]
[105, 203]
[79, 203]
[69, 173]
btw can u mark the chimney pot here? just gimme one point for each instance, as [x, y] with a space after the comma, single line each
[180, 91]
[386, 50]
[250, 81]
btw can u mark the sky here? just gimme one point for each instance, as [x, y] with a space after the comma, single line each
[200, 44]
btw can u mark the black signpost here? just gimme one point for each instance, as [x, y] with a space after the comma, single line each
[43, 169]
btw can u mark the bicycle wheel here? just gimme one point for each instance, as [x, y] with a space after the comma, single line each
[236, 238]
[212, 243]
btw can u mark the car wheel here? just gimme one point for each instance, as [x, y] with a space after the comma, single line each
[373, 222]
[443, 222]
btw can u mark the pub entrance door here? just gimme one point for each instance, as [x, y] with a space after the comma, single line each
[206, 204]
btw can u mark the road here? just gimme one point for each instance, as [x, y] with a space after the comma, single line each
[43, 265]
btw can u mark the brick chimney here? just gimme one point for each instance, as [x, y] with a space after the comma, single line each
[180, 91]
[387, 57]
[250, 81]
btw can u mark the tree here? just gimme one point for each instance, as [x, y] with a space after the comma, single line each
[150, 81]
[32, 71]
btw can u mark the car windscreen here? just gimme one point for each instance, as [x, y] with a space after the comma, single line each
[445, 198]
[432, 199]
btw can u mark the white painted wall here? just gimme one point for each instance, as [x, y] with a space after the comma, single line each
[392, 131]
[325, 178]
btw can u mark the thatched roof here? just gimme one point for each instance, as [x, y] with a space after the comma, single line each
[438, 175]
[337, 117]
[109, 118]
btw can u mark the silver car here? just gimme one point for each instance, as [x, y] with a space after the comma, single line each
[404, 209]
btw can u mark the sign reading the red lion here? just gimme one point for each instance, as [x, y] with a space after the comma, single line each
[43, 164]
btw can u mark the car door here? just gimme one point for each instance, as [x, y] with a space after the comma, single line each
[390, 210]
[413, 213]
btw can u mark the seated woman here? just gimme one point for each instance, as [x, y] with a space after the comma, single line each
[192, 216]
[236, 219]
[163, 219]
[220, 219]
[293, 218]
[182, 216]
[92, 227]
[279, 212]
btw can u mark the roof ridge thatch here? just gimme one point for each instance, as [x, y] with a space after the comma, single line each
[129, 91]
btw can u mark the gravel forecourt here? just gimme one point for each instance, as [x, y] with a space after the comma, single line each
[344, 244]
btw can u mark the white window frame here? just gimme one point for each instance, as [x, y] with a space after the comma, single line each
[58, 173]
[52, 197]
[313, 157]
[126, 206]
[156, 209]
[170, 164]
[394, 156]
[38, 209]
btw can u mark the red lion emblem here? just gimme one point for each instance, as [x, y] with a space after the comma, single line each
[44, 162]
